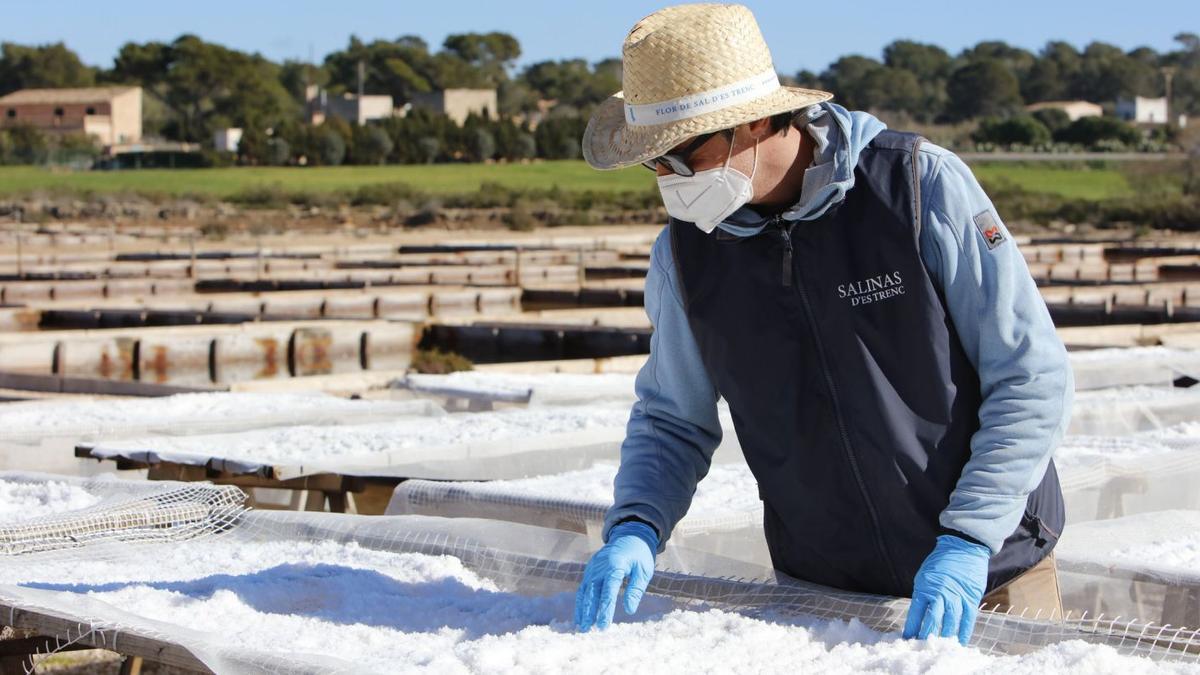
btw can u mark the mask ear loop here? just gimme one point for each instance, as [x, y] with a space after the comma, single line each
[732, 138]
[754, 166]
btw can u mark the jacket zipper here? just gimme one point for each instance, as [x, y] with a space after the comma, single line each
[786, 232]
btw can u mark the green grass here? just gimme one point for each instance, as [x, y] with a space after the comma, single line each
[437, 178]
[1080, 182]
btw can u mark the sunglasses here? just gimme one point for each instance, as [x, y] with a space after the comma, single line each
[677, 162]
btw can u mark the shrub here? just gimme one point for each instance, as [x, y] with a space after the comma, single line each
[428, 214]
[436, 362]
[520, 216]
[1016, 130]
[428, 149]
[481, 144]
[372, 145]
[24, 145]
[1090, 131]
[331, 148]
[382, 194]
[1053, 119]
[278, 152]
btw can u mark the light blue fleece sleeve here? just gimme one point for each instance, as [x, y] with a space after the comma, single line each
[1024, 374]
[673, 429]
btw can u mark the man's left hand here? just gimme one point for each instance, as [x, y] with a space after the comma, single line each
[948, 589]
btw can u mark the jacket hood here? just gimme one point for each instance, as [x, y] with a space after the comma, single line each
[840, 137]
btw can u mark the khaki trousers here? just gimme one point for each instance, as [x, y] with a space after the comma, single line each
[1034, 593]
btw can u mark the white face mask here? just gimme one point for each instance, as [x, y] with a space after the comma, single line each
[708, 197]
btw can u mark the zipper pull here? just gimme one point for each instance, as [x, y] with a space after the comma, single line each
[786, 233]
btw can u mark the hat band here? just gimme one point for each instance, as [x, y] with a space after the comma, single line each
[693, 105]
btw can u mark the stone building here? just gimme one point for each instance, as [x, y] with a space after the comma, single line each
[356, 109]
[110, 114]
[458, 103]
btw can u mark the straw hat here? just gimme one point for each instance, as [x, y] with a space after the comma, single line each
[688, 70]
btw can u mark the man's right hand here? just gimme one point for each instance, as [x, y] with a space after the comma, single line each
[629, 553]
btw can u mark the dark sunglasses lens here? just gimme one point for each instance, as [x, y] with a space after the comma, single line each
[672, 163]
[678, 166]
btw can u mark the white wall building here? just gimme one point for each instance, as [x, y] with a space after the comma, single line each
[457, 104]
[227, 140]
[350, 107]
[1139, 110]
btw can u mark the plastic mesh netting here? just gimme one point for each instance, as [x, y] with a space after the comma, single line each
[95, 584]
[127, 512]
[1145, 565]
[1121, 367]
[1132, 410]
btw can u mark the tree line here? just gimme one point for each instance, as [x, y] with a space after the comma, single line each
[194, 87]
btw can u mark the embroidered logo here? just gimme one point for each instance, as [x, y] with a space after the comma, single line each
[993, 236]
[872, 289]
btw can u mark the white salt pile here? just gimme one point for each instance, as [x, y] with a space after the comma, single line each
[1134, 393]
[546, 388]
[1083, 452]
[727, 489]
[99, 415]
[23, 501]
[1121, 354]
[1181, 431]
[301, 444]
[1181, 551]
[398, 612]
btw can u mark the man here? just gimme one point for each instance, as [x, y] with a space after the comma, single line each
[894, 377]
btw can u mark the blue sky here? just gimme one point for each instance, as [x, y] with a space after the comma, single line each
[801, 34]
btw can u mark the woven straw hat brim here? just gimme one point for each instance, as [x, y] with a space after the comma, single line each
[610, 143]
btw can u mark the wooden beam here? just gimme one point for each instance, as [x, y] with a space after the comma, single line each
[129, 643]
[132, 665]
[40, 644]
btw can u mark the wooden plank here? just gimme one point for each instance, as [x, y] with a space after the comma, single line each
[124, 642]
[328, 482]
[82, 385]
[337, 502]
[315, 501]
[131, 666]
[374, 498]
[40, 644]
[343, 493]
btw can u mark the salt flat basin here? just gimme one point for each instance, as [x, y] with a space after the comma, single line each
[1121, 411]
[1102, 477]
[1145, 565]
[725, 517]
[1144, 401]
[1128, 366]
[368, 449]
[318, 593]
[42, 435]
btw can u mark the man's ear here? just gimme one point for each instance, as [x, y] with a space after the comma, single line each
[760, 129]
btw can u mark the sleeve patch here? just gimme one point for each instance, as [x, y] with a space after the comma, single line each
[992, 233]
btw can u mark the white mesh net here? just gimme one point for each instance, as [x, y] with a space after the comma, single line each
[1130, 410]
[171, 569]
[1145, 565]
[1123, 367]
[276, 592]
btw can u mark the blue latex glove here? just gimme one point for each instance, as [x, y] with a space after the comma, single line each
[628, 553]
[948, 589]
